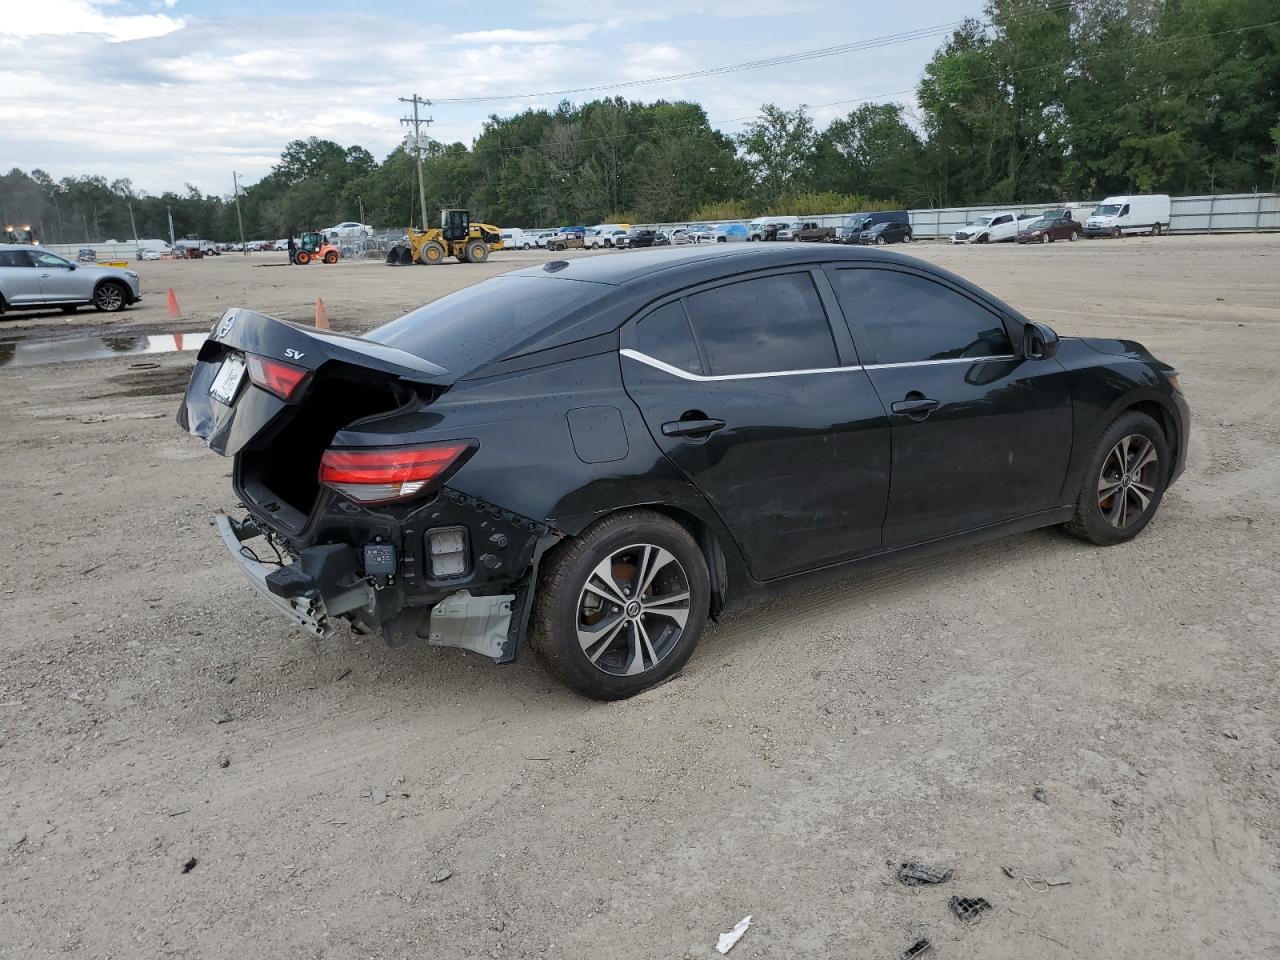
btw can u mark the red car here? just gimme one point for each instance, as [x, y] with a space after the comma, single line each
[1052, 225]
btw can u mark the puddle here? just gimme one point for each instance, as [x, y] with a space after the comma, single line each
[35, 352]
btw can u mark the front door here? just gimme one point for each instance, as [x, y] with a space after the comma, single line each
[59, 280]
[748, 390]
[979, 434]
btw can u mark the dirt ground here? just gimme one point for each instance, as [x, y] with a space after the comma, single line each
[181, 775]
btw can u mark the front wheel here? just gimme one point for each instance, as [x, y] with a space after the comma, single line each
[621, 607]
[880, 241]
[1155, 231]
[431, 253]
[1115, 233]
[1071, 236]
[907, 238]
[331, 257]
[477, 251]
[110, 297]
[1123, 482]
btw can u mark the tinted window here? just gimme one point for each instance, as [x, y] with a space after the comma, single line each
[480, 323]
[762, 325]
[665, 335]
[999, 220]
[906, 318]
[14, 258]
[44, 259]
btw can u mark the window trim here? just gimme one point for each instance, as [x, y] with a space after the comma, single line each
[633, 354]
[1012, 329]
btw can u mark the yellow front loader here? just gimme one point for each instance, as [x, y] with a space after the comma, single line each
[457, 236]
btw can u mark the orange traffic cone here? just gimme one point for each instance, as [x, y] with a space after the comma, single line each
[322, 316]
[175, 312]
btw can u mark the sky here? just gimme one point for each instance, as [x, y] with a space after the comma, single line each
[169, 92]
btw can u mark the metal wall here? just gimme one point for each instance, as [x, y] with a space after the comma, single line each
[1223, 212]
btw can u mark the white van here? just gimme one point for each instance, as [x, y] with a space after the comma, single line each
[1115, 216]
[153, 249]
[513, 238]
[606, 235]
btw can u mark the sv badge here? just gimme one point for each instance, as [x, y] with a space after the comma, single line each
[293, 354]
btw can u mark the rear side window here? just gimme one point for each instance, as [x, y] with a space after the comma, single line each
[665, 335]
[907, 319]
[14, 258]
[762, 326]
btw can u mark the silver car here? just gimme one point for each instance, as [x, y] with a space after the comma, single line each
[35, 279]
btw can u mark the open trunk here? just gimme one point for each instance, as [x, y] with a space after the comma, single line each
[273, 394]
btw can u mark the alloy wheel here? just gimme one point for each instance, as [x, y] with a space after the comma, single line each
[110, 298]
[1127, 483]
[633, 609]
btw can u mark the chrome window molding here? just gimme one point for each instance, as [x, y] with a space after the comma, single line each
[705, 378]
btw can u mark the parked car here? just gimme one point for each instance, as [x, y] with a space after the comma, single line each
[887, 231]
[865, 221]
[642, 237]
[756, 228]
[541, 239]
[280, 245]
[348, 230]
[678, 237]
[611, 234]
[783, 230]
[812, 232]
[566, 240]
[35, 279]
[701, 233]
[1116, 216]
[1050, 226]
[755, 415]
[730, 233]
[513, 238]
[990, 229]
[148, 253]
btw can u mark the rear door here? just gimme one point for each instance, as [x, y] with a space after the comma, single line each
[19, 278]
[979, 435]
[751, 392]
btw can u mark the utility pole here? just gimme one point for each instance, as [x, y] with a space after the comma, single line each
[360, 203]
[416, 122]
[133, 223]
[235, 188]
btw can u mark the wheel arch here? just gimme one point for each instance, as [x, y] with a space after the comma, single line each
[103, 281]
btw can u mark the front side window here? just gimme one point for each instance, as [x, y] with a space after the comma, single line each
[1000, 220]
[763, 325]
[43, 259]
[665, 335]
[907, 318]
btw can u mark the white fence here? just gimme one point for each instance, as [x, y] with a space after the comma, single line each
[1206, 214]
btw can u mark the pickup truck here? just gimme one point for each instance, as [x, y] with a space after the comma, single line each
[810, 231]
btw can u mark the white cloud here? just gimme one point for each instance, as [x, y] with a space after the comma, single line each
[579, 31]
[22, 20]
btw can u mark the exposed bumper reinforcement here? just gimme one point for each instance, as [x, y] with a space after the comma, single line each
[479, 624]
[308, 612]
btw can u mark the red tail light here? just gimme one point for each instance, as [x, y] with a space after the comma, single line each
[397, 473]
[272, 375]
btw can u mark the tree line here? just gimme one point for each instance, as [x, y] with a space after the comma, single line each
[1042, 100]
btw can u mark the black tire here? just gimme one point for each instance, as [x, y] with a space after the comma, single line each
[431, 253]
[880, 241]
[1091, 520]
[477, 251]
[70, 309]
[1115, 233]
[563, 597]
[984, 238]
[110, 297]
[1156, 230]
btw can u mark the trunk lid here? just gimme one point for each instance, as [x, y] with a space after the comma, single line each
[229, 413]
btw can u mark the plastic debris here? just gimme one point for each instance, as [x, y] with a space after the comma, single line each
[728, 940]
[920, 946]
[189, 865]
[442, 876]
[1039, 794]
[968, 908]
[921, 874]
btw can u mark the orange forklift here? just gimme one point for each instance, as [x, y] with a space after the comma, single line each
[315, 247]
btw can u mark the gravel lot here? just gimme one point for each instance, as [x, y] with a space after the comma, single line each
[183, 776]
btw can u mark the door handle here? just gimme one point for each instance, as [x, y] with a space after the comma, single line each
[916, 407]
[691, 428]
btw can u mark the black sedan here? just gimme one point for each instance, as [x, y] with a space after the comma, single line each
[594, 456]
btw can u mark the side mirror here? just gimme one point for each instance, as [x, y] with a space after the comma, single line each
[1039, 342]
[71, 266]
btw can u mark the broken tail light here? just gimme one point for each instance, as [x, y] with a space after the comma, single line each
[378, 475]
[276, 377]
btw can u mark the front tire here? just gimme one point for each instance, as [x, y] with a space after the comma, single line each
[621, 607]
[431, 253]
[477, 251]
[110, 297]
[1124, 481]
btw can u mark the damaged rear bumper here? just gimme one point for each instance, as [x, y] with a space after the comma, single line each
[302, 596]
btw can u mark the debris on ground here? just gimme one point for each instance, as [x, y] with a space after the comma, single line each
[1039, 794]
[921, 874]
[1044, 884]
[189, 865]
[969, 908]
[224, 762]
[728, 940]
[442, 876]
[920, 946]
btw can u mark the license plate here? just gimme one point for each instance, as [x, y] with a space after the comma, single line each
[227, 381]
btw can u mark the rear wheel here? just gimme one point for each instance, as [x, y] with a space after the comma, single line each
[621, 607]
[1124, 481]
[110, 297]
[331, 257]
[432, 252]
[1155, 231]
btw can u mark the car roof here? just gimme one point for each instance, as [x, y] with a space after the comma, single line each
[627, 282]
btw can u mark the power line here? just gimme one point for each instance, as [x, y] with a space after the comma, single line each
[416, 122]
[920, 33]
